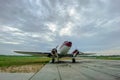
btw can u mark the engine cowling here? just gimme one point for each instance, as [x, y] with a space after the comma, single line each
[53, 53]
[75, 53]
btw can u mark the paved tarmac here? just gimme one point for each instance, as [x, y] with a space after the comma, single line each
[85, 69]
[82, 70]
[15, 76]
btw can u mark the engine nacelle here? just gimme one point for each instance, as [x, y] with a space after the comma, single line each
[75, 53]
[54, 52]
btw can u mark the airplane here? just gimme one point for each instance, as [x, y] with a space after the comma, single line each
[61, 52]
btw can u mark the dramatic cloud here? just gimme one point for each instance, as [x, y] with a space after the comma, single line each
[35, 25]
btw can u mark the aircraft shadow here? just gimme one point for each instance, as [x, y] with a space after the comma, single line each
[70, 62]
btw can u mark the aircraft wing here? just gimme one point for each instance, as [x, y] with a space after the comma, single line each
[48, 54]
[34, 53]
[81, 53]
[85, 54]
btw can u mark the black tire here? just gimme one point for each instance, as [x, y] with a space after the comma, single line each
[53, 60]
[73, 60]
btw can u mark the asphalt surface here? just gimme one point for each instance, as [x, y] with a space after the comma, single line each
[82, 70]
[85, 69]
[15, 76]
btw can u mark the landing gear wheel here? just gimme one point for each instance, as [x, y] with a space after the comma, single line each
[73, 60]
[53, 60]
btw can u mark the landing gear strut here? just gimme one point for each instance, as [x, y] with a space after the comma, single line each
[53, 60]
[73, 60]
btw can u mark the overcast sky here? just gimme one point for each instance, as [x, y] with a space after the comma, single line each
[40, 25]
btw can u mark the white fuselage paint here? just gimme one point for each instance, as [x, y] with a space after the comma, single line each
[64, 49]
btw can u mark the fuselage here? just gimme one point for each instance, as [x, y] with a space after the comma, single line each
[65, 47]
[62, 52]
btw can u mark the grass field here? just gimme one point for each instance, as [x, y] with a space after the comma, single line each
[22, 63]
[33, 63]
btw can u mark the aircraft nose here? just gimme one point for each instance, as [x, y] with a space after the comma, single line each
[69, 44]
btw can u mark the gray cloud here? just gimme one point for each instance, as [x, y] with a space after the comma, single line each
[32, 24]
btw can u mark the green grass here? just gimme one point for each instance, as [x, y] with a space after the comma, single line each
[6, 61]
[108, 58]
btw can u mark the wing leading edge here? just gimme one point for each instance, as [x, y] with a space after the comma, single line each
[34, 53]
